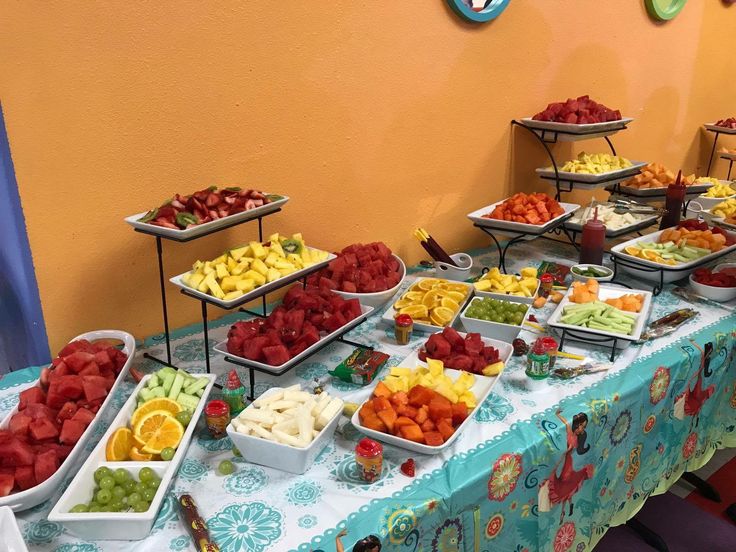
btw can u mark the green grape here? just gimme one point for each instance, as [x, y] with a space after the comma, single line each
[129, 486]
[146, 474]
[236, 452]
[140, 487]
[102, 472]
[154, 483]
[184, 417]
[134, 498]
[95, 507]
[118, 492]
[141, 506]
[121, 475]
[93, 502]
[167, 454]
[107, 483]
[148, 494]
[103, 496]
[79, 508]
[226, 467]
[116, 504]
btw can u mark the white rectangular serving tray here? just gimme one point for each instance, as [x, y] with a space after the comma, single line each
[671, 273]
[647, 192]
[257, 292]
[605, 292]
[723, 130]
[279, 455]
[222, 346]
[12, 539]
[518, 227]
[198, 230]
[726, 155]
[607, 177]
[41, 492]
[482, 388]
[122, 525]
[643, 221]
[390, 314]
[574, 128]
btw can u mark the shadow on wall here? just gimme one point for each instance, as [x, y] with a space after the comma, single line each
[23, 339]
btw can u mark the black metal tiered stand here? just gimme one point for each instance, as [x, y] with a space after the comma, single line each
[727, 156]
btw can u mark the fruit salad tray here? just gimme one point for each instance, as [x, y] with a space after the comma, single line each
[519, 227]
[266, 287]
[124, 525]
[578, 332]
[222, 347]
[193, 231]
[717, 128]
[479, 387]
[629, 252]
[47, 411]
[581, 179]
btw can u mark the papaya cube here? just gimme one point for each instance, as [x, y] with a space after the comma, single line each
[428, 425]
[422, 415]
[412, 433]
[381, 403]
[400, 422]
[459, 413]
[366, 411]
[433, 438]
[374, 423]
[388, 417]
[399, 398]
[420, 395]
[381, 390]
[439, 408]
[445, 428]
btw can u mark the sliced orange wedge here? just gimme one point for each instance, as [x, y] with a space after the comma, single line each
[119, 445]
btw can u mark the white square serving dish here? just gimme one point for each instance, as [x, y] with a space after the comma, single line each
[122, 525]
[11, 538]
[278, 455]
[610, 177]
[497, 330]
[518, 227]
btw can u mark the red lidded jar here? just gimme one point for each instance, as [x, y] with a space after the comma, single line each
[217, 417]
[369, 457]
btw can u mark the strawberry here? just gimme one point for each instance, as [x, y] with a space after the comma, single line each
[408, 468]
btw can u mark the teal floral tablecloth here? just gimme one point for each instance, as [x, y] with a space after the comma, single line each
[546, 470]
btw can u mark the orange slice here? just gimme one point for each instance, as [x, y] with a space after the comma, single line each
[450, 304]
[651, 255]
[632, 250]
[415, 311]
[138, 456]
[441, 316]
[169, 405]
[119, 445]
[159, 429]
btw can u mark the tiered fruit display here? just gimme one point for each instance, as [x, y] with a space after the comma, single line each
[536, 208]
[725, 209]
[423, 405]
[494, 281]
[432, 301]
[242, 269]
[360, 268]
[157, 426]
[118, 491]
[53, 415]
[599, 316]
[727, 123]
[608, 216]
[293, 326]
[184, 211]
[468, 354]
[720, 190]
[596, 163]
[656, 175]
[496, 310]
[581, 110]
[291, 416]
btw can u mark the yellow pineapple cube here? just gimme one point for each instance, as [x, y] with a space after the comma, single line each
[233, 295]
[436, 367]
[222, 271]
[259, 252]
[245, 285]
[259, 266]
[529, 272]
[447, 392]
[239, 252]
[483, 285]
[398, 371]
[276, 248]
[221, 259]
[272, 275]
[213, 286]
[271, 259]
[228, 283]
[195, 280]
[257, 277]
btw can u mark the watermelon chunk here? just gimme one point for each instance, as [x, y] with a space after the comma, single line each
[78, 360]
[16, 453]
[42, 429]
[36, 411]
[66, 412]
[7, 482]
[276, 355]
[45, 466]
[294, 320]
[103, 361]
[69, 387]
[95, 387]
[334, 322]
[253, 349]
[25, 477]
[19, 423]
[84, 416]
[32, 395]
[71, 431]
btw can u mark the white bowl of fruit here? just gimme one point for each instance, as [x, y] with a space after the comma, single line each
[718, 284]
[370, 273]
[496, 318]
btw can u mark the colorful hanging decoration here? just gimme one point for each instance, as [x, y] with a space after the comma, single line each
[478, 11]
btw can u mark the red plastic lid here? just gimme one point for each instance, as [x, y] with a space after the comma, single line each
[549, 343]
[547, 278]
[403, 320]
[368, 447]
[539, 347]
[233, 381]
[217, 408]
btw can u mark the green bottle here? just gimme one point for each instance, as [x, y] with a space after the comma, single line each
[233, 393]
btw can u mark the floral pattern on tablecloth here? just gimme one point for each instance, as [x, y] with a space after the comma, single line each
[490, 482]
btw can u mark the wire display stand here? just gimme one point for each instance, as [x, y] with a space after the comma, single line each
[162, 280]
[718, 131]
[730, 157]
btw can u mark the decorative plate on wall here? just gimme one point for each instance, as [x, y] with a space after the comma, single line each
[664, 10]
[478, 11]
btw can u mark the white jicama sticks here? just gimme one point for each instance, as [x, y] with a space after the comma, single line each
[290, 416]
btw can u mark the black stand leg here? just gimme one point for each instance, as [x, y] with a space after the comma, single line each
[162, 282]
[205, 332]
[712, 152]
[647, 535]
[252, 381]
[730, 166]
[703, 487]
[354, 344]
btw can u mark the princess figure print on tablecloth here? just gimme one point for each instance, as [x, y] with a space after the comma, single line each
[690, 402]
[560, 488]
[371, 543]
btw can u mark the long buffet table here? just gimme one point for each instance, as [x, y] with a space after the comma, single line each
[535, 470]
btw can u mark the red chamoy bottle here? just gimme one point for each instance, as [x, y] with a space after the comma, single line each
[593, 241]
[673, 203]
[233, 393]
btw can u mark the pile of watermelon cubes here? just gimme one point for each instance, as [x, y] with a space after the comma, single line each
[360, 268]
[54, 414]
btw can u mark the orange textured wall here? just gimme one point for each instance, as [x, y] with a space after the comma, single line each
[375, 117]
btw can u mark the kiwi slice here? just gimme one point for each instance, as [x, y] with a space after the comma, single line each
[290, 245]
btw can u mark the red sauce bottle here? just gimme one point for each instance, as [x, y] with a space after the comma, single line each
[593, 241]
[673, 203]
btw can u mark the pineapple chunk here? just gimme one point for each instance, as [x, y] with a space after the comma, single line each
[213, 286]
[276, 248]
[228, 283]
[274, 238]
[529, 272]
[483, 285]
[271, 259]
[203, 285]
[245, 285]
[259, 266]
[286, 271]
[283, 265]
[306, 256]
[257, 277]
[195, 280]
[221, 259]
[294, 259]
[208, 267]
[447, 392]
[231, 264]
[222, 271]
[494, 274]
[397, 371]
[493, 369]
[259, 252]
[197, 266]
[272, 275]
[436, 367]
[393, 383]
[238, 270]
[469, 399]
[321, 255]
[233, 295]
[460, 387]
[240, 252]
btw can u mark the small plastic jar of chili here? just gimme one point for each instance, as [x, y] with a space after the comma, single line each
[552, 348]
[369, 457]
[547, 282]
[217, 417]
[403, 326]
